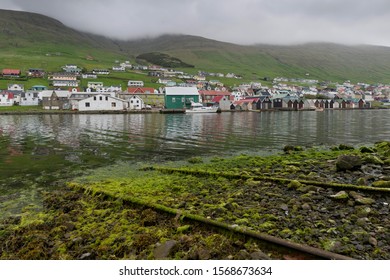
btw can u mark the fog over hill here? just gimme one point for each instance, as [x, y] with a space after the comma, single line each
[327, 61]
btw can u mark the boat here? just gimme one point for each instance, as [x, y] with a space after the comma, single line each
[199, 108]
[319, 109]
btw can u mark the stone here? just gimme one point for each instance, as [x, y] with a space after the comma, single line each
[162, 251]
[361, 199]
[259, 255]
[348, 162]
[373, 241]
[306, 206]
[342, 195]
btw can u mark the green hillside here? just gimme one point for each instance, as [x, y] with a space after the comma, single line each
[32, 40]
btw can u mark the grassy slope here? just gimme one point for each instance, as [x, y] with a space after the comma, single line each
[26, 40]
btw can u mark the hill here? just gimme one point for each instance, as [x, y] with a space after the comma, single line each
[33, 40]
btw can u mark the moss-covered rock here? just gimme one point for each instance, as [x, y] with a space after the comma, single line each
[348, 162]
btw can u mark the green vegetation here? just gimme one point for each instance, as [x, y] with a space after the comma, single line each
[128, 212]
[34, 41]
[164, 60]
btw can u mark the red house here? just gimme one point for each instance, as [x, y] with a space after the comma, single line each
[140, 90]
[11, 73]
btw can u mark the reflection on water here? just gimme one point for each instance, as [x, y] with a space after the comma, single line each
[160, 137]
[37, 144]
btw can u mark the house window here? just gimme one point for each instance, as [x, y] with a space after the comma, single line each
[87, 104]
[106, 98]
[173, 99]
[137, 101]
[100, 98]
[113, 104]
[94, 98]
[131, 101]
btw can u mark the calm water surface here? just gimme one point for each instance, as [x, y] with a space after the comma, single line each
[34, 146]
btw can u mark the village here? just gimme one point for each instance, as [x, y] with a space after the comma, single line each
[175, 90]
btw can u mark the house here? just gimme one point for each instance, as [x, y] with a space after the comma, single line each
[95, 85]
[75, 97]
[55, 100]
[135, 84]
[64, 79]
[36, 73]
[141, 90]
[209, 95]
[29, 98]
[89, 76]
[11, 73]
[264, 103]
[109, 89]
[136, 103]
[72, 69]
[118, 68]
[222, 102]
[242, 105]
[149, 96]
[6, 98]
[102, 102]
[16, 87]
[101, 71]
[180, 97]
[38, 88]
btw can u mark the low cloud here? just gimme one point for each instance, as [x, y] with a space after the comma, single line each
[242, 22]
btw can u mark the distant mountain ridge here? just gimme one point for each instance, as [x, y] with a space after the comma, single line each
[20, 31]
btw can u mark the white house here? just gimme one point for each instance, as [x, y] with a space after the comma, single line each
[16, 87]
[136, 103]
[6, 99]
[111, 89]
[29, 98]
[95, 85]
[89, 76]
[118, 68]
[101, 71]
[135, 84]
[65, 83]
[102, 102]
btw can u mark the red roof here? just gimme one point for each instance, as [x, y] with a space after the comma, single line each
[11, 72]
[135, 90]
[220, 97]
[10, 94]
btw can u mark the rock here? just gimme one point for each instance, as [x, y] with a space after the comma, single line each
[367, 150]
[373, 160]
[86, 256]
[348, 162]
[306, 206]
[259, 255]
[373, 241]
[361, 199]
[284, 207]
[243, 255]
[162, 251]
[294, 184]
[204, 254]
[342, 195]
[365, 201]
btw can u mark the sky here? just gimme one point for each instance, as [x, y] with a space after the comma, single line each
[240, 21]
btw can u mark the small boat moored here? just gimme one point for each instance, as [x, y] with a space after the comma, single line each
[199, 108]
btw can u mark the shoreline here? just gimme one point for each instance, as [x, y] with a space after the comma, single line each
[308, 196]
[164, 111]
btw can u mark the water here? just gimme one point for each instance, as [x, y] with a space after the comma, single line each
[33, 147]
